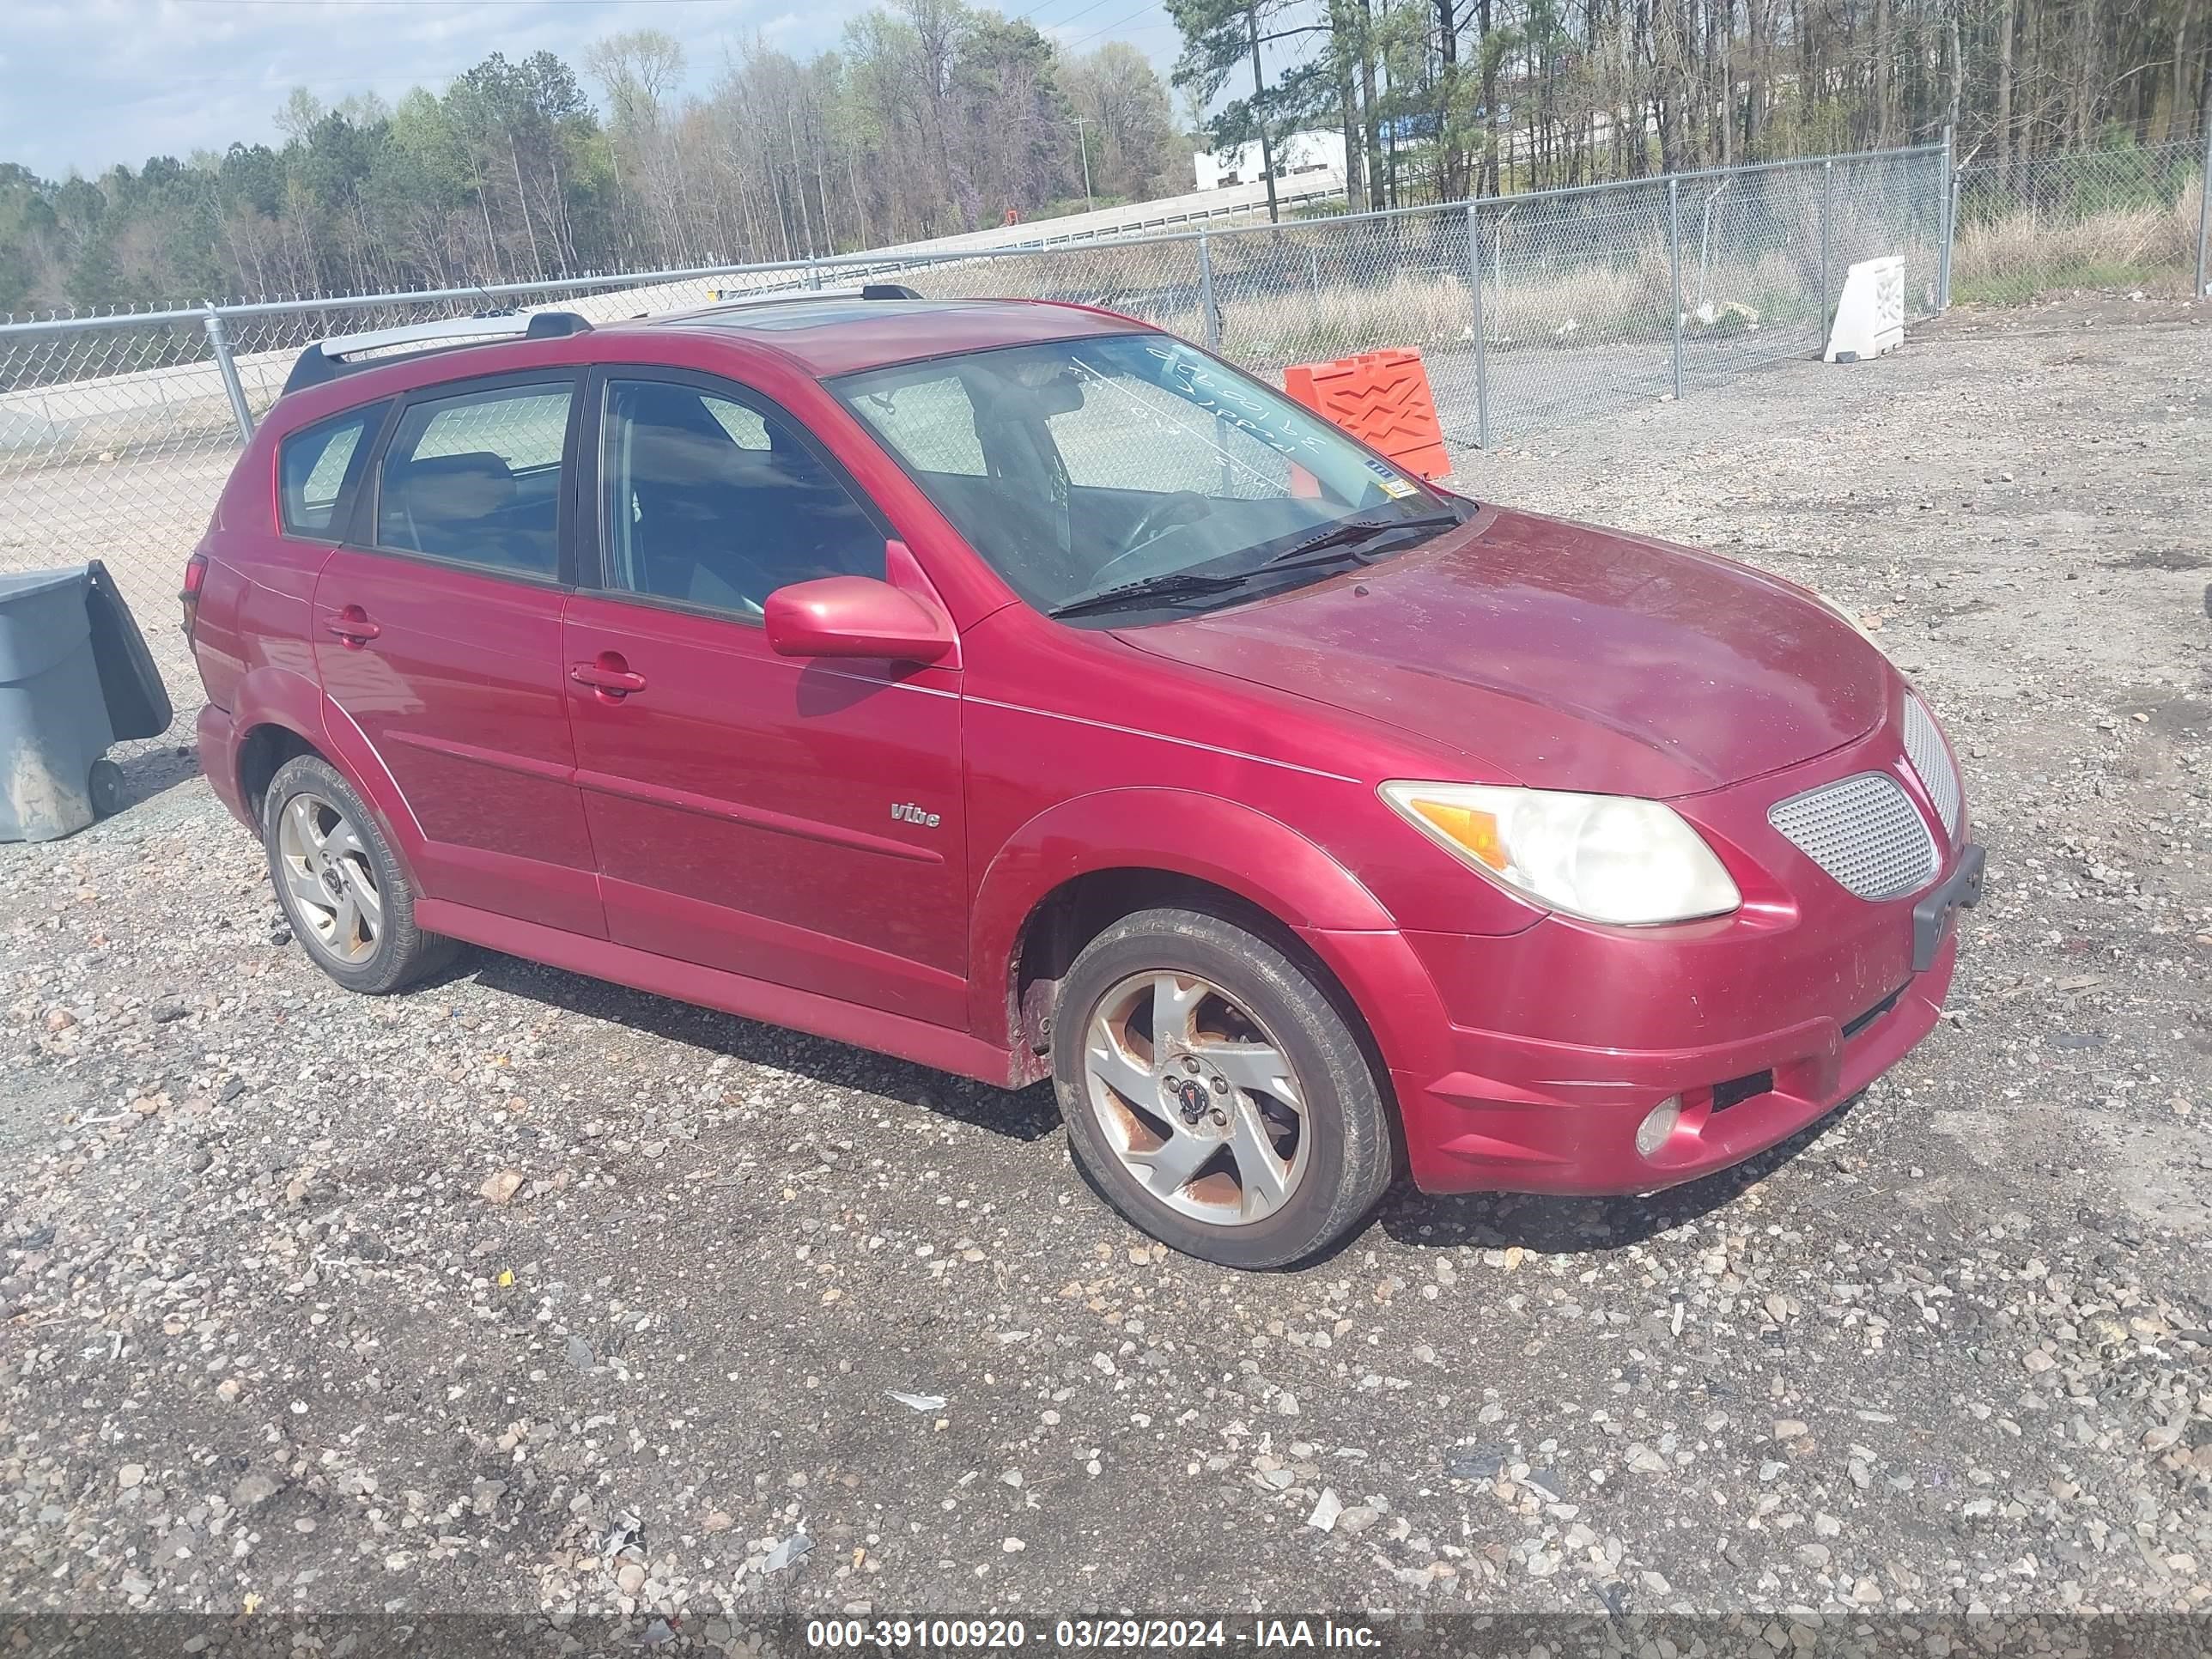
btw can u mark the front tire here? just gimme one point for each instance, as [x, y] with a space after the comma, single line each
[1214, 1094]
[341, 888]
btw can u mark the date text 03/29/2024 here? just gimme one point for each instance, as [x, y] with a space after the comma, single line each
[895, 1635]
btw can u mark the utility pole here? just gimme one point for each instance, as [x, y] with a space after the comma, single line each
[1083, 144]
[1259, 107]
[798, 181]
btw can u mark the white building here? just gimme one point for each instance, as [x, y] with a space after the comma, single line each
[1302, 156]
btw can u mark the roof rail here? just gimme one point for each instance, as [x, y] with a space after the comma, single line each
[328, 359]
[719, 297]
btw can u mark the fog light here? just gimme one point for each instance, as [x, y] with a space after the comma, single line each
[1659, 1123]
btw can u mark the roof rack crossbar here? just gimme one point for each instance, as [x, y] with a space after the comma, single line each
[328, 359]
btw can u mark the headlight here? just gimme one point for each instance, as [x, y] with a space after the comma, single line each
[1603, 858]
[1853, 622]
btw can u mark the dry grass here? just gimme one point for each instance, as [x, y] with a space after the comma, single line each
[1268, 331]
[2013, 258]
[1624, 298]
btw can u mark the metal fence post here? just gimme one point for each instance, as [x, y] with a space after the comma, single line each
[219, 344]
[1827, 216]
[1674, 272]
[1481, 359]
[2204, 212]
[1948, 210]
[1206, 294]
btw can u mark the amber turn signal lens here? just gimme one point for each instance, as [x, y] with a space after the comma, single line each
[1470, 828]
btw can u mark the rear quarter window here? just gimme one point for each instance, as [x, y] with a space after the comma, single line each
[317, 466]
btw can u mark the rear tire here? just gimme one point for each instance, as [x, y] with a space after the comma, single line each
[347, 899]
[1214, 1094]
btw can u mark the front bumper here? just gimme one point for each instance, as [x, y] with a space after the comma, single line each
[1535, 1117]
[1932, 918]
[1797, 1015]
[1527, 1062]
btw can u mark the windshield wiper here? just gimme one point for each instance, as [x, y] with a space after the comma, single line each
[1169, 585]
[1345, 537]
[1173, 584]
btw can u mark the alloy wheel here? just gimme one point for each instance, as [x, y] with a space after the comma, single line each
[1196, 1098]
[331, 877]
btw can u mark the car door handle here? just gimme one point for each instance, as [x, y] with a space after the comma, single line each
[608, 675]
[352, 625]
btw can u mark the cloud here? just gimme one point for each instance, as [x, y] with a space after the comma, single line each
[93, 83]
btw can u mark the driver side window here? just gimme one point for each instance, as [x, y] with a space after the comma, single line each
[710, 503]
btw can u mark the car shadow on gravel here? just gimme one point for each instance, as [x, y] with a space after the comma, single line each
[1560, 1226]
[153, 772]
[1024, 1115]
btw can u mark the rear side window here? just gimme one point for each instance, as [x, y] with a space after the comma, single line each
[475, 479]
[316, 464]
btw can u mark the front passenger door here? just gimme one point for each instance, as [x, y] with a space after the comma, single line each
[794, 822]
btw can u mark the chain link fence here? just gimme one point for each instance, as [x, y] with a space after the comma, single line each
[2136, 218]
[117, 434]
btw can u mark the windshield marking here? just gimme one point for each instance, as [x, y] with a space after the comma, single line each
[1161, 423]
[1192, 372]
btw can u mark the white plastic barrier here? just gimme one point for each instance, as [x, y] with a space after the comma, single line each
[1870, 317]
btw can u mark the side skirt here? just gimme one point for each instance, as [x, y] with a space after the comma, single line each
[734, 993]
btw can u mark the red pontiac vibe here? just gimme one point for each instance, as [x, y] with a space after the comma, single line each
[1019, 689]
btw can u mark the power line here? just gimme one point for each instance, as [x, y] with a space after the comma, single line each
[1057, 22]
[1024, 17]
[1111, 27]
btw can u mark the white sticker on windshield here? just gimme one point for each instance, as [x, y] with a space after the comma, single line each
[1397, 488]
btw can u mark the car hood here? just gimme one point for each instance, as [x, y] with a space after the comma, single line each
[1566, 656]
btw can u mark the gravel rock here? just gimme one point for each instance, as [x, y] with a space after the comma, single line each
[252, 1492]
[501, 1188]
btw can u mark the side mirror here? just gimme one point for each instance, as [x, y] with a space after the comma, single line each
[856, 616]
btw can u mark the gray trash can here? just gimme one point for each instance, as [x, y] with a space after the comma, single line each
[75, 677]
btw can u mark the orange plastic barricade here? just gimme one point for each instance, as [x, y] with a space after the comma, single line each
[1381, 398]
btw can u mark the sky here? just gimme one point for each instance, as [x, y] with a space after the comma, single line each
[87, 84]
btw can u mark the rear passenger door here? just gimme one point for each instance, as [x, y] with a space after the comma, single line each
[795, 822]
[438, 634]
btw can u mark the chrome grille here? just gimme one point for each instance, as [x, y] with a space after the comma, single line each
[1923, 747]
[1864, 831]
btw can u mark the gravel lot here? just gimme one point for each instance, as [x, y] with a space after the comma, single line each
[315, 1301]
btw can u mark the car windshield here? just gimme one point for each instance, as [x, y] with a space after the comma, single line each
[1130, 476]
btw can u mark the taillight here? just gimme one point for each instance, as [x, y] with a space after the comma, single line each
[195, 577]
